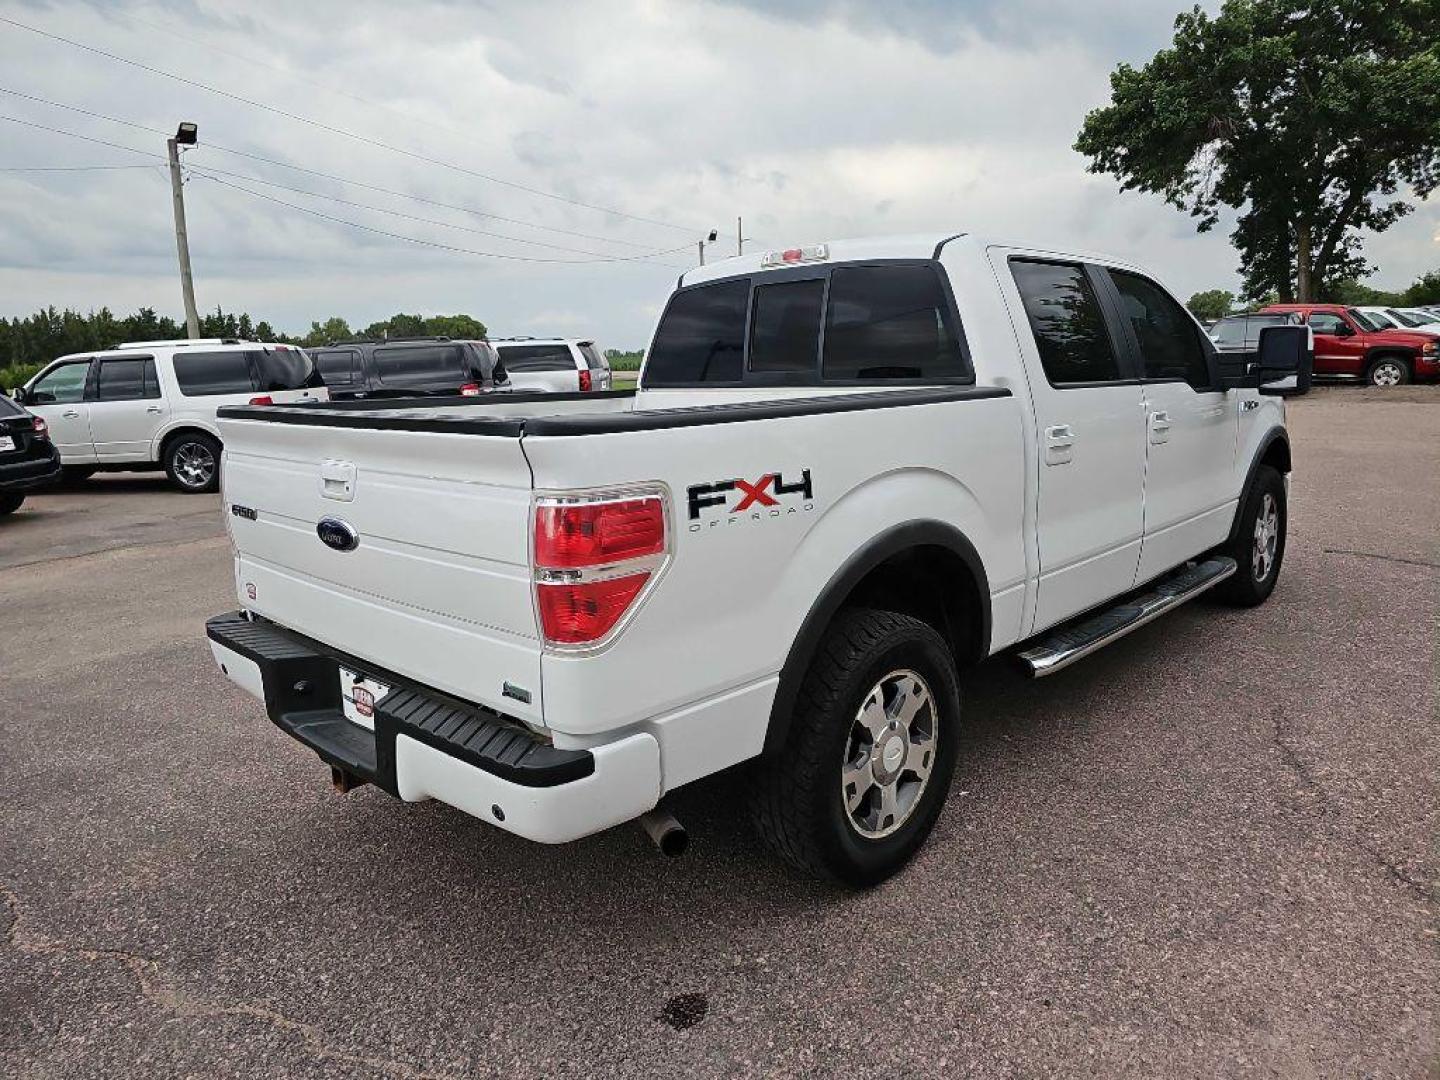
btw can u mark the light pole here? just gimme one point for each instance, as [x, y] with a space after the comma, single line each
[708, 240]
[185, 135]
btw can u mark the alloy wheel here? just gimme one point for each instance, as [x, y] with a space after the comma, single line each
[1267, 538]
[889, 754]
[194, 464]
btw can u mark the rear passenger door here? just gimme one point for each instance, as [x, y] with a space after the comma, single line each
[1089, 415]
[127, 412]
[435, 367]
[1190, 427]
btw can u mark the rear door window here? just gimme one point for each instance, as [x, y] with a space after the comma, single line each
[418, 364]
[208, 374]
[785, 327]
[538, 358]
[127, 380]
[701, 337]
[1068, 324]
[1169, 340]
[338, 367]
[890, 322]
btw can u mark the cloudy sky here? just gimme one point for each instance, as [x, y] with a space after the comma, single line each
[591, 144]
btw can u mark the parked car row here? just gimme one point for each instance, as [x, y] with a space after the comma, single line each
[1376, 345]
[153, 404]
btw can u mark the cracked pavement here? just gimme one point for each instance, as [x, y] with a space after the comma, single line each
[1209, 850]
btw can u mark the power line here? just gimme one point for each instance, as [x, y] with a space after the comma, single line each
[209, 172]
[342, 131]
[76, 135]
[207, 145]
[70, 168]
[401, 236]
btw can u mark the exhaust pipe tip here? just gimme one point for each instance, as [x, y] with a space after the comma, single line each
[665, 832]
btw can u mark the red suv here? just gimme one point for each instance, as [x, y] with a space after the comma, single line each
[1348, 344]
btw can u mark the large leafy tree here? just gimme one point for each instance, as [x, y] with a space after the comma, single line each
[1307, 116]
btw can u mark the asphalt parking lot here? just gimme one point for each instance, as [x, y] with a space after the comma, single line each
[1210, 850]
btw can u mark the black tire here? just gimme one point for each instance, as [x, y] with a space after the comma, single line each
[76, 474]
[11, 501]
[1249, 586]
[185, 458]
[1388, 371]
[798, 803]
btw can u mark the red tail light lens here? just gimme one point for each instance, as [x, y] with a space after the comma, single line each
[263, 399]
[575, 614]
[40, 428]
[470, 389]
[586, 383]
[599, 533]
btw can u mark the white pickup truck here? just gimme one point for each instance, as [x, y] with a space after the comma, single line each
[849, 471]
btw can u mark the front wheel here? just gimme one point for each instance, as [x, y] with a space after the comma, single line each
[871, 747]
[192, 461]
[11, 501]
[1388, 371]
[1259, 543]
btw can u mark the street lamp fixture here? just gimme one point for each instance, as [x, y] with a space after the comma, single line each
[187, 134]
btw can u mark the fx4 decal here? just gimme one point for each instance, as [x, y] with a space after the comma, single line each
[765, 493]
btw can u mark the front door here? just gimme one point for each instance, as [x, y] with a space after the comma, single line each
[127, 412]
[58, 396]
[1190, 428]
[1339, 350]
[1090, 423]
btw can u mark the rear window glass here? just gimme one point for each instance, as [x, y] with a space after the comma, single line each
[338, 367]
[420, 363]
[701, 337]
[785, 326]
[593, 360]
[1230, 332]
[890, 322]
[538, 358]
[284, 369]
[126, 380]
[9, 408]
[202, 374]
[1066, 320]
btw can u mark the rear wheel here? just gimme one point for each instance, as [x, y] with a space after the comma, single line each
[867, 761]
[1259, 543]
[1388, 371]
[10, 502]
[192, 461]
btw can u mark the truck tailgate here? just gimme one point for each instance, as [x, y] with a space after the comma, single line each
[437, 588]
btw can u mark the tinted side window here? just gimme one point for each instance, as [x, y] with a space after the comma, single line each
[126, 380]
[890, 322]
[1169, 341]
[785, 326]
[338, 367]
[63, 385]
[1066, 320]
[8, 408]
[701, 337]
[209, 373]
[419, 363]
[284, 369]
[538, 358]
[1323, 322]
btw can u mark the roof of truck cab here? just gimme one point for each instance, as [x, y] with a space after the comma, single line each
[907, 246]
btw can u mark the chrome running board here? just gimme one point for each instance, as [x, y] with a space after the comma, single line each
[1074, 641]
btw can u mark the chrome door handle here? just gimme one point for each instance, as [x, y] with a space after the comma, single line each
[154, 409]
[70, 414]
[1059, 444]
[1159, 427]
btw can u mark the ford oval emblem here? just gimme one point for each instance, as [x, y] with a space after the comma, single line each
[337, 534]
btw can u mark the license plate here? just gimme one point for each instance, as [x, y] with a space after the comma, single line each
[6, 443]
[358, 697]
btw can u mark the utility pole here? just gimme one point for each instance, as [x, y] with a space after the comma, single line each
[185, 135]
[708, 240]
[739, 236]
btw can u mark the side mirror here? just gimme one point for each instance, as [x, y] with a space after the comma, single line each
[18, 393]
[1342, 331]
[1284, 362]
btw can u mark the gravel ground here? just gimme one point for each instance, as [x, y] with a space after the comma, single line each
[1210, 850]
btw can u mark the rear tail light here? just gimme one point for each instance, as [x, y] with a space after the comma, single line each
[471, 389]
[263, 399]
[586, 383]
[40, 429]
[593, 558]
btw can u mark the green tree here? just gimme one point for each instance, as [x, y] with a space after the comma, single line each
[1425, 291]
[332, 329]
[1211, 304]
[455, 326]
[1307, 116]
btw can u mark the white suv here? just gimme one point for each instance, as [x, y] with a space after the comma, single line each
[152, 404]
[557, 365]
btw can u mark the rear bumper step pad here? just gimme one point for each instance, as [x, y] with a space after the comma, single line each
[1079, 639]
[301, 684]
